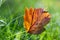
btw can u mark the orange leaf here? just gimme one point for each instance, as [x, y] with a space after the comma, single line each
[35, 20]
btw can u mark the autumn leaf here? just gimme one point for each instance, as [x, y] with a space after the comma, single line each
[35, 19]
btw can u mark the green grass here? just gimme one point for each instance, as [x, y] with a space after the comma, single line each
[11, 19]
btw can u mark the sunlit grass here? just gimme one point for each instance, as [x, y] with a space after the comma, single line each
[11, 20]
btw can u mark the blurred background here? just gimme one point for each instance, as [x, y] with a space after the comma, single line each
[11, 19]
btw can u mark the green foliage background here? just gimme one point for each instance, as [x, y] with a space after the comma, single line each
[11, 19]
